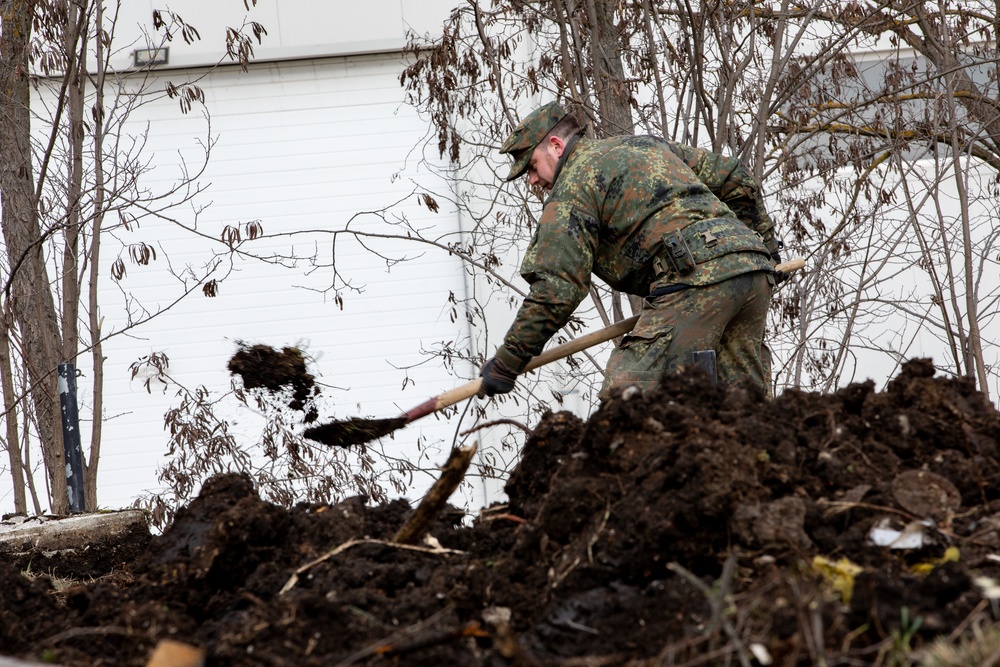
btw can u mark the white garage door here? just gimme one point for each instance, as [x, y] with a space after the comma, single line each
[303, 147]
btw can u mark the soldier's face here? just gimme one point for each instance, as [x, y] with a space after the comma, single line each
[545, 157]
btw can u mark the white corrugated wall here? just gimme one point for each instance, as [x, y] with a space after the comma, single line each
[302, 147]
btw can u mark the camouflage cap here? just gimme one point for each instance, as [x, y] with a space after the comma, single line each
[528, 134]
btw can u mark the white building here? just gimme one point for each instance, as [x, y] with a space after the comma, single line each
[315, 133]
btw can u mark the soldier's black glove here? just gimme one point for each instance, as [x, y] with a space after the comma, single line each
[497, 378]
[779, 276]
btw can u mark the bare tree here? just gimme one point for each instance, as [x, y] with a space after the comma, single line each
[27, 287]
[872, 128]
[72, 178]
[908, 135]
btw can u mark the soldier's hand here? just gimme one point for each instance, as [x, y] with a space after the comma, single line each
[497, 378]
[779, 276]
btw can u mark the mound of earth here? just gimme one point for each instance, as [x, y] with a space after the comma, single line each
[687, 526]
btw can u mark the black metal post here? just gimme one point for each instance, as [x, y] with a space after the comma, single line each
[705, 360]
[71, 437]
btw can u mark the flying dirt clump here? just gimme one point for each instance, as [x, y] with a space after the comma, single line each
[263, 366]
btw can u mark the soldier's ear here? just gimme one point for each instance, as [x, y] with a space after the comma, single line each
[558, 145]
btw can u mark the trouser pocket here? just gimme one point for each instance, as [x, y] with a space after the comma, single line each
[640, 359]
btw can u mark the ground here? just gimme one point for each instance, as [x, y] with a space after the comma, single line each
[687, 526]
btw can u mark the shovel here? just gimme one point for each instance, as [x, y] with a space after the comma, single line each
[358, 431]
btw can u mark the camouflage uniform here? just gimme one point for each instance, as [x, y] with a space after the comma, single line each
[681, 226]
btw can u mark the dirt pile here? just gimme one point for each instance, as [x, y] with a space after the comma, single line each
[690, 525]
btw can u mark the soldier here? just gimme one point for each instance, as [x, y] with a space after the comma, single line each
[682, 227]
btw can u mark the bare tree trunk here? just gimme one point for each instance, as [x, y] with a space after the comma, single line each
[28, 285]
[941, 285]
[653, 63]
[569, 37]
[613, 96]
[75, 43]
[71, 232]
[10, 402]
[956, 83]
[29, 477]
[94, 255]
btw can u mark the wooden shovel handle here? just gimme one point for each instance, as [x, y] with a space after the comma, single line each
[453, 396]
[470, 389]
[582, 343]
[791, 265]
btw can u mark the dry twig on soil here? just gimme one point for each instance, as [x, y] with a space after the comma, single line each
[294, 579]
[415, 637]
[83, 632]
[717, 599]
[557, 577]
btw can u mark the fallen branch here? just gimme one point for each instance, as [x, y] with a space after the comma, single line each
[294, 579]
[960, 628]
[427, 511]
[837, 506]
[470, 629]
[592, 661]
[668, 655]
[506, 517]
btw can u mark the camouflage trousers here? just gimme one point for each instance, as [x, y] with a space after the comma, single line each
[728, 317]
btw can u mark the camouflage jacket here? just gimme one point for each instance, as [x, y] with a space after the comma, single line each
[613, 205]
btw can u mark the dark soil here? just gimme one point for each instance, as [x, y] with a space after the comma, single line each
[685, 526]
[355, 431]
[284, 373]
[262, 366]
